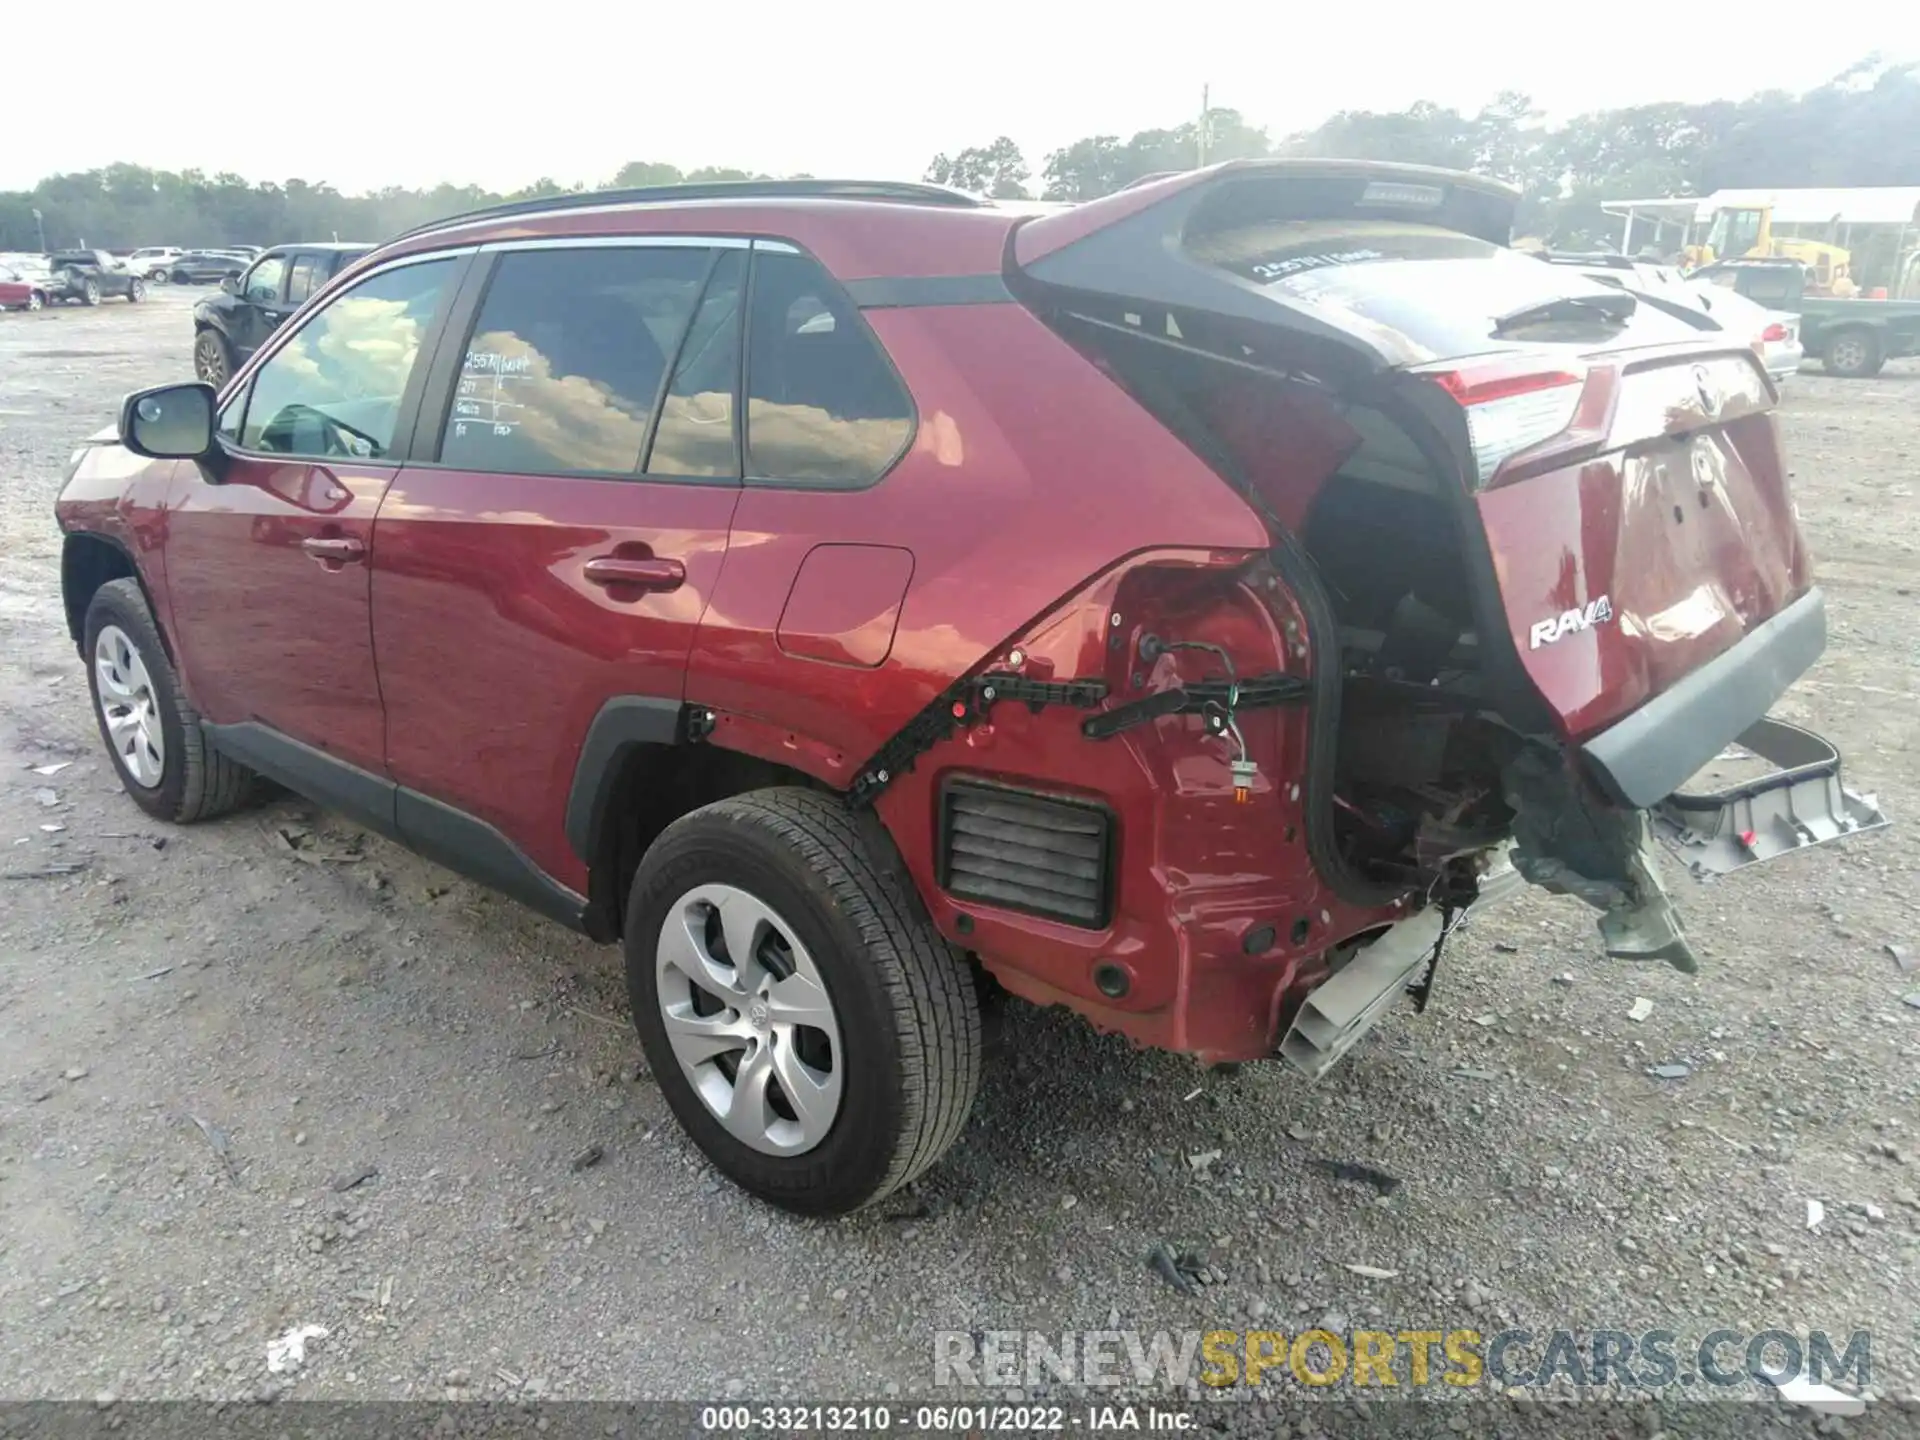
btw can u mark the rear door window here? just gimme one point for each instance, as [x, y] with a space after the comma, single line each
[1428, 292]
[696, 435]
[825, 406]
[567, 358]
[306, 276]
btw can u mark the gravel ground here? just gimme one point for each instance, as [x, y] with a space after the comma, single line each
[205, 1037]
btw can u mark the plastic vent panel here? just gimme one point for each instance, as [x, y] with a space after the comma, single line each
[1041, 854]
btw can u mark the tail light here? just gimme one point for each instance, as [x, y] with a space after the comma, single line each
[1513, 406]
[1775, 334]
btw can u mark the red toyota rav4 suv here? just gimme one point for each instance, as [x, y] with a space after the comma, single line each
[1175, 607]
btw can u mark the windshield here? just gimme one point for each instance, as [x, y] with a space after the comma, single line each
[1422, 293]
[1734, 232]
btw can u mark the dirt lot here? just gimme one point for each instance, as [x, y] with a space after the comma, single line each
[203, 1037]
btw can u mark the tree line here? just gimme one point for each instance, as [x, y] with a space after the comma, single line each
[1861, 128]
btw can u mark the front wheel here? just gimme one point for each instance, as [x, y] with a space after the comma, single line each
[36, 301]
[149, 728]
[136, 292]
[89, 294]
[212, 358]
[809, 1028]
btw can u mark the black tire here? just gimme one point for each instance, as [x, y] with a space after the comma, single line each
[904, 1000]
[196, 781]
[1853, 353]
[90, 293]
[180, 277]
[212, 357]
[136, 291]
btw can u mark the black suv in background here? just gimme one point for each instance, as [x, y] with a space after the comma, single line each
[87, 275]
[230, 326]
[203, 267]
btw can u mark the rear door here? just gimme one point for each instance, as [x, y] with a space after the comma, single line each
[1617, 482]
[554, 544]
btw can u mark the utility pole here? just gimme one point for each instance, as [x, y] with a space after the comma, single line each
[40, 224]
[1205, 132]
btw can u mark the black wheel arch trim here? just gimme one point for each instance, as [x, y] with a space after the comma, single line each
[77, 617]
[437, 831]
[623, 723]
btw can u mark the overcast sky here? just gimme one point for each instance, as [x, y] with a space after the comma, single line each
[364, 93]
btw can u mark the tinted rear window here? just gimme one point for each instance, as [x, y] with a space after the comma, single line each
[1420, 289]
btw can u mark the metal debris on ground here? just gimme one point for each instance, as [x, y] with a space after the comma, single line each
[1161, 1261]
[588, 1158]
[1202, 1160]
[1372, 1272]
[1359, 1174]
[1816, 1212]
[50, 769]
[46, 872]
[289, 1352]
[356, 1175]
[46, 796]
[1642, 1008]
[217, 1138]
[1821, 1399]
[1670, 1072]
[1901, 957]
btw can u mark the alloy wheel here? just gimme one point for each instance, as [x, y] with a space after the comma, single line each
[1849, 354]
[129, 707]
[749, 1019]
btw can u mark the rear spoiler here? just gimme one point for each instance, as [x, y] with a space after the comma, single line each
[1132, 246]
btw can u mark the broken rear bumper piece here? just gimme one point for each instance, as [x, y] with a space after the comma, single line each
[1603, 853]
[1800, 803]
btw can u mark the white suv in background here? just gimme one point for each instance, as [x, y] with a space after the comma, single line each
[153, 262]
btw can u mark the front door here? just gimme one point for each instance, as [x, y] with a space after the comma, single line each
[556, 542]
[267, 559]
[263, 303]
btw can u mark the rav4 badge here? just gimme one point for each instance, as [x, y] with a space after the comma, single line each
[1569, 622]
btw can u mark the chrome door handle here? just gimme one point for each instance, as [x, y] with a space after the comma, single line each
[334, 549]
[612, 570]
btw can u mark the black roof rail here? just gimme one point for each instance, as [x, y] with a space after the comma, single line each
[897, 191]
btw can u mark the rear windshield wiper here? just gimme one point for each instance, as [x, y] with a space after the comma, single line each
[1608, 309]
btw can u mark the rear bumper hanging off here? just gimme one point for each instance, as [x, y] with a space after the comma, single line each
[1659, 747]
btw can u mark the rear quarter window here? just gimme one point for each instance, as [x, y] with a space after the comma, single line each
[1420, 292]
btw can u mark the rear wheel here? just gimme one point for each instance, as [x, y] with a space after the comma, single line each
[36, 301]
[136, 291]
[212, 358]
[1854, 353]
[149, 729]
[810, 1029]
